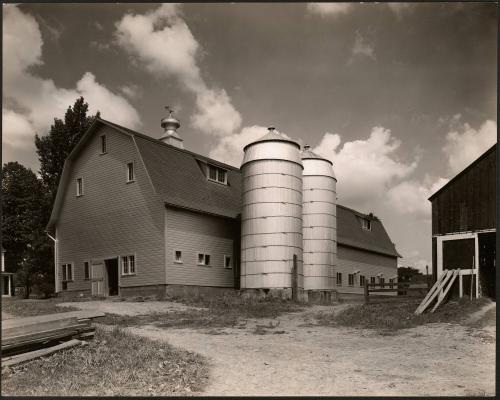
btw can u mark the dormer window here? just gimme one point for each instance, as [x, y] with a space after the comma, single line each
[217, 174]
[366, 224]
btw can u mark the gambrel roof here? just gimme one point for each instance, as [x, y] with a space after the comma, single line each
[178, 178]
[350, 233]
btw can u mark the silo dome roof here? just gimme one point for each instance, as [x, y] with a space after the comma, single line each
[272, 136]
[308, 154]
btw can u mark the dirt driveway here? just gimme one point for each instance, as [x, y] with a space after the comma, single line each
[431, 360]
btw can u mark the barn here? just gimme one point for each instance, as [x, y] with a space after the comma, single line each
[464, 226]
[135, 215]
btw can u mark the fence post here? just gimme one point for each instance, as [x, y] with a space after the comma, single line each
[366, 293]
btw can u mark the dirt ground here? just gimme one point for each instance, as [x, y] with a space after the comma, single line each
[298, 358]
[128, 307]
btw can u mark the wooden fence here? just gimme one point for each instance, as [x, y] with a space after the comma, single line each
[402, 288]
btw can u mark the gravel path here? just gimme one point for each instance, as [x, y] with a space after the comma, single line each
[432, 360]
[128, 307]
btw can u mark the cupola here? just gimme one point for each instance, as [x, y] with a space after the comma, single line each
[170, 126]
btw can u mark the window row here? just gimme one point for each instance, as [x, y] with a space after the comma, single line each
[362, 280]
[203, 259]
[130, 177]
[67, 270]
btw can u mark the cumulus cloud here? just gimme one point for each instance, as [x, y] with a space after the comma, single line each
[229, 149]
[411, 197]
[132, 91]
[365, 169]
[465, 144]
[162, 42]
[17, 131]
[362, 48]
[37, 101]
[329, 9]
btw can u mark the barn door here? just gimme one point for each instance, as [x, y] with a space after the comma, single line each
[97, 274]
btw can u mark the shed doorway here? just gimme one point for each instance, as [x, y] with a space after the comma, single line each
[112, 276]
[487, 267]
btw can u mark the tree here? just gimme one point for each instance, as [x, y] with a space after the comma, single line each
[53, 148]
[24, 217]
[410, 274]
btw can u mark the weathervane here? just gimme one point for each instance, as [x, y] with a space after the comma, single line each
[169, 109]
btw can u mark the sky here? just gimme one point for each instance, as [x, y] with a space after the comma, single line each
[400, 97]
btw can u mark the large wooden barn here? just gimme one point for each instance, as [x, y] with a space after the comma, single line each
[136, 215]
[464, 224]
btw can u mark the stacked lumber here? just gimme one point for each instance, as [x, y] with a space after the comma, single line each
[23, 338]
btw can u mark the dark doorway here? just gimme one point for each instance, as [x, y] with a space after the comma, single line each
[112, 273]
[487, 268]
[459, 254]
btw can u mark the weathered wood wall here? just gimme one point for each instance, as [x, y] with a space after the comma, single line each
[468, 202]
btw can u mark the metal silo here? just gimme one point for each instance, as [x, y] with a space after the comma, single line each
[319, 215]
[271, 218]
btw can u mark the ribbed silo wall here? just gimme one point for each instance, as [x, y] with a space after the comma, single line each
[319, 213]
[271, 218]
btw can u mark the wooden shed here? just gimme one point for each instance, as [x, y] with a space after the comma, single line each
[464, 225]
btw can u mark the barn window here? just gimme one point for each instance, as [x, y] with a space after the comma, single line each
[366, 224]
[203, 259]
[128, 265]
[381, 281]
[228, 262]
[372, 280]
[130, 172]
[217, 174]
[339, 278]
[79, 187]
[103, 144]
[86, 270]
[350, 279]
[67, 275]
[362, 280]
[391, 283]
[178, 256]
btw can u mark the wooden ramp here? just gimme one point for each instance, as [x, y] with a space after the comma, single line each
[439, 290]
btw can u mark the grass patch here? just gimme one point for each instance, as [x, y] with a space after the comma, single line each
[394, 316]
[115, 363]
[211, 313]
[33, 307]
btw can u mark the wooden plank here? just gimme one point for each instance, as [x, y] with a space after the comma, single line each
[85, 314]
[49, 332]
[460, 286]
[433, 292]
[33, 328]
[430, 293]
[44, 338]
[20, 358]
[441, 297]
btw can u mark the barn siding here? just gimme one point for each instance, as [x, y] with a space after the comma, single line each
[369, 264]
[468, 202]
[193, 233]
[113, 217]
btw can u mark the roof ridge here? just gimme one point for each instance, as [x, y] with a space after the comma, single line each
[160, 143]
[468, 167]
